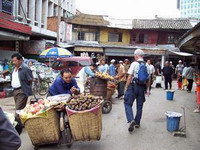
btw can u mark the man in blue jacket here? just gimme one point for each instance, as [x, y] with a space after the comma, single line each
[9, 138]
[64, 84]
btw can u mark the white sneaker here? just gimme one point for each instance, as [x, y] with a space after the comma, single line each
[196, 111]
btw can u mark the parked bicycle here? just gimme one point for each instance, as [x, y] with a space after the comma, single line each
[41, 85]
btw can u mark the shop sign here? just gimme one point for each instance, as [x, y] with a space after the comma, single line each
[154, 52]
[89, 49]
[69, 32]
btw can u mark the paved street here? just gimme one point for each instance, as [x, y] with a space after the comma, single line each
[152, 135]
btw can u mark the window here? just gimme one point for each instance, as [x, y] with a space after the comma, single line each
[55, 10]
[84, 62]
[57, 64]
[171, 39]
[142, 38]
[134, 37]
[71, 63]
[80, 35]
[114, 37]
[7, 6]
[28, 9]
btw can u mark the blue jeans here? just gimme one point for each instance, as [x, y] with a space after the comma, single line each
[133, 92]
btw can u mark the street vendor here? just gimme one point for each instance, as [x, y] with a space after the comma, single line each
[83, 74]
[64, 84]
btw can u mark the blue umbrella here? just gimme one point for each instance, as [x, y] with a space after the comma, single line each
[55, 52]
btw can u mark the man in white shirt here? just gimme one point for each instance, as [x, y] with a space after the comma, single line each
[152, 72]
[21, 81]
[135, 90]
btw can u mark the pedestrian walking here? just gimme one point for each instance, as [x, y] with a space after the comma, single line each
[135, 89]
[152, 72]
[180, 80]
[112, 68]
[21, 81]
[171, 64]
[9, 138]
[158, 74]
[184, 79]
[121, 78]
[190, 75]
[167, 73]
[103, 67]
[179, 68]
[126, 66]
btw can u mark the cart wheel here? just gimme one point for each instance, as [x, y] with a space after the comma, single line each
[106, 107]
[36, 147]
[43, 89]
[69, 145]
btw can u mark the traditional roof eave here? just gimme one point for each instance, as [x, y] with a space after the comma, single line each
[190, 41]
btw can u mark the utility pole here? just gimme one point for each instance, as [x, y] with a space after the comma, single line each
[58, 22]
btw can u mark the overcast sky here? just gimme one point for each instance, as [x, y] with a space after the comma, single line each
[129, 9]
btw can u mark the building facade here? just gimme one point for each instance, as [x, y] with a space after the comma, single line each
[158, 37]
[12, 33]
[189, 8]
[35, 14]
[118, 39]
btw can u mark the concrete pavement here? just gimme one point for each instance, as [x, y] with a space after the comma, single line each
[152, 135]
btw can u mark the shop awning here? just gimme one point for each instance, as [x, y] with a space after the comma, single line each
[181, 53]
[119, 52]
[65, 45]
[190, 41]
[5, 35]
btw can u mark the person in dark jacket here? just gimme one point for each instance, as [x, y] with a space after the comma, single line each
[21, 81]
[167, 73]
[64, 84]
[9, 138]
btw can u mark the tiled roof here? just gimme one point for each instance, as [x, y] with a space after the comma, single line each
[161, 24]
[86, 19]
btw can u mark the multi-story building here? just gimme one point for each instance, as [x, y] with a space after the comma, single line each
[118, 39]
[12, 33]
[158, 37]
[189, 8]
[36, 13]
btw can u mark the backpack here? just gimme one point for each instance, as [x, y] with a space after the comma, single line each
[142, 75]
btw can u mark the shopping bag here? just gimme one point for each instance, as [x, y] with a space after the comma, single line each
[158, 79]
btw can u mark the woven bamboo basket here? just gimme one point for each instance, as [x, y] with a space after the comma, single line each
[86, 125]
[44, 130]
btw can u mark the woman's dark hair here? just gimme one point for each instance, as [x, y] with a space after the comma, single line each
[65, 71]
[17, 55]
[94, 65]
[116, 62]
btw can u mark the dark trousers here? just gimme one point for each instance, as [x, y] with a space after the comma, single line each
[20, 99]
[120, 88]
[133, 92]
[168, 79]
[190, 84]
[20, 102]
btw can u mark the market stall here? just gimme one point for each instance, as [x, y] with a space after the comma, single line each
[46, 123]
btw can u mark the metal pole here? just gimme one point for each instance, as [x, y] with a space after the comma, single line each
[58, 22]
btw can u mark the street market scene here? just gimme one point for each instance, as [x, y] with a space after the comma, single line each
[75, 76]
